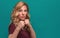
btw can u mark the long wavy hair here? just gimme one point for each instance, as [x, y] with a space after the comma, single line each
[14, 15]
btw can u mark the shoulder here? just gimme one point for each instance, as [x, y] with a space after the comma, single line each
[11, 25]
[11, 28]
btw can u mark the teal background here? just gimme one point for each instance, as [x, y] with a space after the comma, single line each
[45, 17]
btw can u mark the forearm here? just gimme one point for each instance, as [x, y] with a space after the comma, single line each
[15, 33]
[33, 35]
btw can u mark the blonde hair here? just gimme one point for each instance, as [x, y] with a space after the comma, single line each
[14, 15]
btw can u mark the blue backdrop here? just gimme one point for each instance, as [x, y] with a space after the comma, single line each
[45, 17]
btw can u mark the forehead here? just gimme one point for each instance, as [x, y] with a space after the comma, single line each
[24, 7]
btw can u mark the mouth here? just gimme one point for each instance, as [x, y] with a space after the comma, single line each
[22, 17]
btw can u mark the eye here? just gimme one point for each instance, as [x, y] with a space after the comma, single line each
[25, 10]
[19, 10]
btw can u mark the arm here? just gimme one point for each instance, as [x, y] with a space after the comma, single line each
[15, 33]
[33, 35]
[17, 30]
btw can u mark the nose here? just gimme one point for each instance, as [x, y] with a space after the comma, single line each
[22, 13]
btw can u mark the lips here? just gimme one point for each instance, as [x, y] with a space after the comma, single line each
[22, 16]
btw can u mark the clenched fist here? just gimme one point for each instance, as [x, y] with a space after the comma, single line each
[27, 21]
[21, 24]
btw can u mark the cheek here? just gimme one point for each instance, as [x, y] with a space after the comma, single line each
[20, 14]
[25, 14]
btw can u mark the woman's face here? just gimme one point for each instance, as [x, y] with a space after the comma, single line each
[22, 12]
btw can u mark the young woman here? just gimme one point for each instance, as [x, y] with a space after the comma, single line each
[20, 26]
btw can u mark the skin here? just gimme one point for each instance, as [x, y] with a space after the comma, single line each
[22, 16]
[22, 12]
